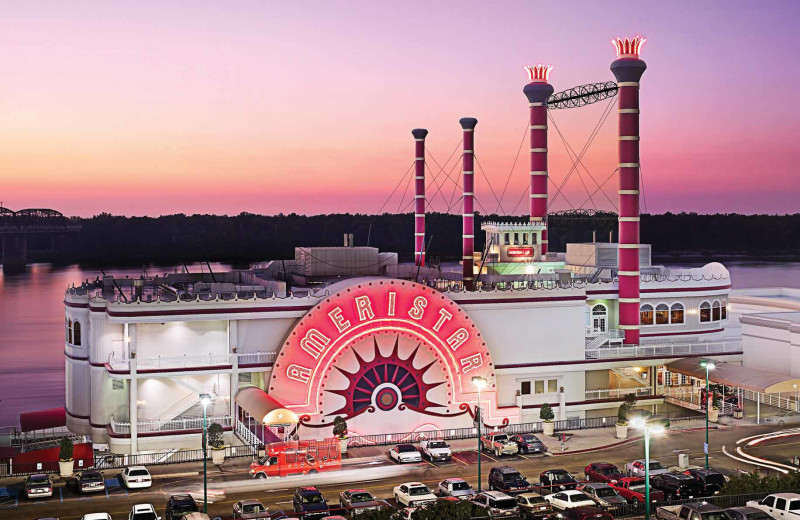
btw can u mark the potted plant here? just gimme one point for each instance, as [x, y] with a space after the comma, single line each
[622, 415]
[713, 412]
[340, 431]
[66, 464]
[546, 415]
[216, 442]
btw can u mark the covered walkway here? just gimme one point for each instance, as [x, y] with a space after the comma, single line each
[263, 416]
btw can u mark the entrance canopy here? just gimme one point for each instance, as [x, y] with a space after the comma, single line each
[43, 419]
[734, 375]
[264, 408]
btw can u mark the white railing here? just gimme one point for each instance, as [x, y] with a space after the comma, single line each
[693, 397]
[620, 393]
[666, 349]
[179, 424]
[771, 399]
[247, 436]
[256, 358]
[190, 360]
[595, 339]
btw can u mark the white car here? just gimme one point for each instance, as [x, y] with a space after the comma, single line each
[96, 516]
[413, 494]
[636, 468]
[136, 477]
[569, 499]
[143, 512]
[404, 453]
[436, 451]
[456, 487]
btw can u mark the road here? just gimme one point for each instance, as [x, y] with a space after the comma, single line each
[68, 505]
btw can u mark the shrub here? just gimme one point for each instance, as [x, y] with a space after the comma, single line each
[546, 413]
[66, 449]
[629, 400]
[622, 414]
[215, 437]
[340, 427]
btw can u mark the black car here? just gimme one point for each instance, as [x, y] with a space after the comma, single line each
[676, 486]
[309, 503]
[554, 480]
[91, 482]
[711, 482]
[179, 506]
[529, 443]
[508, 480]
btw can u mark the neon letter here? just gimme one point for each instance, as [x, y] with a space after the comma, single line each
[392, 298]
[338, 320]
[364, 308]
[418, 309]
[458, 338]
[443, 317]
[471, 363]
[298, 373]
[314, 343]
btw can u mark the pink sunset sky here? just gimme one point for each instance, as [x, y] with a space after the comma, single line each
[149, 108]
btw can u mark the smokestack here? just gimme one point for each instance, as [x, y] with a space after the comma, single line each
[628, 70]
[468, 231]
[419, 196]
[538, 91]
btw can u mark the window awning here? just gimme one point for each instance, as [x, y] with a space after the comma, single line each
[263, 407]
[734, 375]
[42, 419]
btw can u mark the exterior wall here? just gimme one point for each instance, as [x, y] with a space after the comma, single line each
[772, 342]
[598, 379]
[159, 395]
[691, 315]
[261, 335]
[185, 337]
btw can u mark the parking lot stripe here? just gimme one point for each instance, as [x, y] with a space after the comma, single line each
[61, 494]
[490, 458]
[461, 461]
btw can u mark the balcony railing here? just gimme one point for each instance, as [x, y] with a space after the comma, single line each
[595, 339]
[618, 393]
[191, 361]
[179, 424]
[666, 349]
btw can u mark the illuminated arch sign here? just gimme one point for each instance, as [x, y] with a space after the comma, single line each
[385, 346]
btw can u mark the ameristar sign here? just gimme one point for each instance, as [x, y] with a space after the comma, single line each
[397, 311]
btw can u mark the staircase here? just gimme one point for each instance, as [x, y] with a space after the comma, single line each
[177, 408]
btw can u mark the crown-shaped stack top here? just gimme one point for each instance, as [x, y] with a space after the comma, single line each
[538, 73]
[628, 47]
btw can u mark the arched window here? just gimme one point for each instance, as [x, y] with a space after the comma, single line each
[76, 333]
[646, 314]
[599, 318]
[66, 330]
[676, 313]
[69, 331]
[724, 309]
[716, 311]
[662, 314]
[705, 312]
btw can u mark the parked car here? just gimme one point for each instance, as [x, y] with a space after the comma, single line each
[636, 468]
[783, 505]
[746, 513]
[136, 477]
[782, 418]
[499, 444]
[456, 487]
[357, 501]
[553, 480]
[38, 486]
[91, 482]
[96, 516]
[309, 502]
[143, 512]
[604, 495]
[533, 506]
[496, 504]
[178, 506]
[250, 508]
[711, 482]
[585, 513]
[508, 480]
[404, 453]
[413, 494]
[436, 451]
[528, 443]
[603, 472]
[690, 511]
[569, 499]
[632, 489]
[676, 486]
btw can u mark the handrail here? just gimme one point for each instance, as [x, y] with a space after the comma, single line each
[191, 360]
[666, 349]
[187, 423]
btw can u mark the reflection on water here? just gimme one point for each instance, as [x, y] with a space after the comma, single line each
[32, 326]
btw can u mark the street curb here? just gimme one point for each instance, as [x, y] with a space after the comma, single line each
[629, 440]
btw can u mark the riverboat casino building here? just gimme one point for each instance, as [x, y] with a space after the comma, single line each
[348, 331]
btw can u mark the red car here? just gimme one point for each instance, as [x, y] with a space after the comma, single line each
[632, 489]
[603, 472]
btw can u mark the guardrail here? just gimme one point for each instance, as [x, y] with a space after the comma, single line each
[620, 393]
[155, 425]
[191, 360]
[771, 399]
[666, 349]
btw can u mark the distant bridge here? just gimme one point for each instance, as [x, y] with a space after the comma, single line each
[16, 226]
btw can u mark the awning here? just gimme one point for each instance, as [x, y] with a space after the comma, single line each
[734, 375]
[43, 419]
[263, 407]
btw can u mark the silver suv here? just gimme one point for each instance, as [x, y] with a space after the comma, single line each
[497, 504]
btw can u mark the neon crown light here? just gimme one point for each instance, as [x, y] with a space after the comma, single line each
[538, 73]
[628, 47]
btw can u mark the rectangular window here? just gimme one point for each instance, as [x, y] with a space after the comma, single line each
[538, 387]
[724, 311]
[245, 377]
[533, 238]
[525, 388]
[516, 239]
[524, 239]
[552, 386]
[506, 239]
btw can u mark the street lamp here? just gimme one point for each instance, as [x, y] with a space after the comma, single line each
[649, 429]
[708, 365]
[479, 383]
[205, 399]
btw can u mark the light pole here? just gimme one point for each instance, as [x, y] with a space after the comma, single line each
[479, 383]
[708, 365]
[649, 429]
[206, 400]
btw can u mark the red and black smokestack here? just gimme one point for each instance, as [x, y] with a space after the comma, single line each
[419, 195]
[468, 232]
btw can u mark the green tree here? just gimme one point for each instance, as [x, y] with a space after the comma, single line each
[66, 449]
[340, 427]
[216, 437]
[546, 413]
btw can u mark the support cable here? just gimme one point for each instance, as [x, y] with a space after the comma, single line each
[486, 179]
[395, 189]
[519, 150]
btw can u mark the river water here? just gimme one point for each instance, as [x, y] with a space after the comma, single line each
[32, 326]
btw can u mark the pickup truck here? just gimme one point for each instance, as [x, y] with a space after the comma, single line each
[691, 511]
[436, 451]
[632, 489]
[783, 506]
[499, 443]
